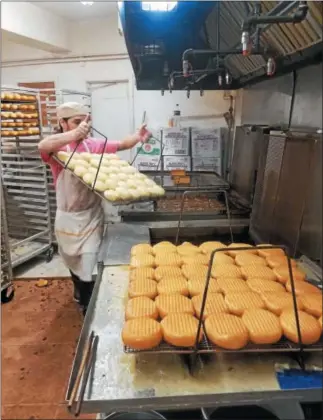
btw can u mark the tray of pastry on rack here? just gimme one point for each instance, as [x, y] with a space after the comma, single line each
[17, 97]
[249, 305]
[110, 177]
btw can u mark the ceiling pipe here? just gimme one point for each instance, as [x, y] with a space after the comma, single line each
[297, 17]
[254, 20]
[281, 9]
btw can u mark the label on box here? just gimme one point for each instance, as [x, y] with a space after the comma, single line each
[207, 165]
[147, 163]
[176, 141]
[206, 142]
[152, 147]
[177, 162]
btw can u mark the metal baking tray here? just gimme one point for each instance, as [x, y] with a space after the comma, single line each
[205, 180]
[113, 203]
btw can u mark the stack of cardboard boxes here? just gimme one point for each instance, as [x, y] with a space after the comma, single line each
[191, 149]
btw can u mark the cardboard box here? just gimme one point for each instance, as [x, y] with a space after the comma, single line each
[148, 163]
[207, 165]
[177, 162]
[152, 147]
[176, 141]
[207, 142]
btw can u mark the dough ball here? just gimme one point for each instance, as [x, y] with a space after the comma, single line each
[111, 195]
[111, 184]
[139, 176]
[101, 175]
[122, 184]
[80, 170]
[134, 193]
[104, 170]
[157, 191]
[149, 182]
[113, 170]
[72, 164]
[63, 156]
[83, 162]
[88, 178]
[123, 193]
[114, 176]
[122, 177]
[143, 192]
[99, 186]
[94, 162]
[86, 156]
[131, 183]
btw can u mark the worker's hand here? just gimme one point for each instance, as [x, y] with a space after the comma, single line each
[82, 131]
[143, 134]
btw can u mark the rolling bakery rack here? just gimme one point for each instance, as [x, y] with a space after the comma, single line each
[206, 347]
[24, 176]
[6, 268]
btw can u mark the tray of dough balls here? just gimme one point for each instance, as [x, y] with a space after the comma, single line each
[112, 178]
[249, 304]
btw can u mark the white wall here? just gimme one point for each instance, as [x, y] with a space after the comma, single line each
[102, 56]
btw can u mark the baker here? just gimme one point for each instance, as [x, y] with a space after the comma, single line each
[79, 219]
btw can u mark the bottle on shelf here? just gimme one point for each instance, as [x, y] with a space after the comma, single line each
[175, 119]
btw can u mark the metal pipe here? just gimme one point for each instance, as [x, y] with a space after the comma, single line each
[211, 53]
[297, 17]
[281, 8]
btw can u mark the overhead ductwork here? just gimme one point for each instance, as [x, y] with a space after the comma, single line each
[216, 45]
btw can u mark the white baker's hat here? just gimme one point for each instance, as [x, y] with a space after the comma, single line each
[71, 109]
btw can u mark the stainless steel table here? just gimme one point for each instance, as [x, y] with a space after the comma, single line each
[122, 382]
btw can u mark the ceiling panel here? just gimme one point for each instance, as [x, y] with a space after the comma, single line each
[75, 10]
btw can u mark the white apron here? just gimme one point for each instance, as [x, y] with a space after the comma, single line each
[79, 224]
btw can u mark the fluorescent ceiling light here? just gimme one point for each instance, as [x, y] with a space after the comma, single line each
[87, 3]
[158, 6]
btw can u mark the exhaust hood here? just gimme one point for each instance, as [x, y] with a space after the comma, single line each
[218, 45]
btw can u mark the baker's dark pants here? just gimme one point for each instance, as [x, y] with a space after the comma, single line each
[83, 291]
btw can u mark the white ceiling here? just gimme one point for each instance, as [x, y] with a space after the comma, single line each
[75, 10]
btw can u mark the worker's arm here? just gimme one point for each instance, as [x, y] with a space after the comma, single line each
[55, 142]
[142, 135]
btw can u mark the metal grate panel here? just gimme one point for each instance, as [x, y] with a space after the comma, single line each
[266, 189]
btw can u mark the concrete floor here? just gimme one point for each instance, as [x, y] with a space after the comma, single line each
[40, 330]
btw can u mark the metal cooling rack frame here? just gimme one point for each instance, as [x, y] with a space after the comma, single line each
[26, 192]
[203, 191]
[6, 268]
[113, 203]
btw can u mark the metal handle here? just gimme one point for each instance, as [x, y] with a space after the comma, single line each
[190, 192]
[87, 370]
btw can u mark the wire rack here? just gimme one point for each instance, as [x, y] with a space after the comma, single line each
[25, 189]
[6, 268]
[205, 346]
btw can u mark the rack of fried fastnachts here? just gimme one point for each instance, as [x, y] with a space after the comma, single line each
[215, 297]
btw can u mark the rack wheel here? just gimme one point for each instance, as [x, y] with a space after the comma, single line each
[7, 294]
[50, 254]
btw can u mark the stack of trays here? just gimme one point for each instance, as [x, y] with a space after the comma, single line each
[249, 297]
[19, 115]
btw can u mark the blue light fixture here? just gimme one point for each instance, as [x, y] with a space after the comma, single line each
[158, 6]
